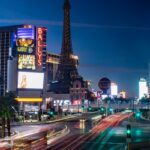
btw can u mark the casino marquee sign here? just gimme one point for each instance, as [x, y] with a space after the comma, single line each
[41, 48]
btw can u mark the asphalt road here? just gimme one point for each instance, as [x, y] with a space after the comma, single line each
[115, 138]
[83, 140]
[110, 134]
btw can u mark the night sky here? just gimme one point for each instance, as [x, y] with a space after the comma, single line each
[111, 37]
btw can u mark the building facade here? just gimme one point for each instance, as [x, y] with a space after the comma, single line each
[52, 62]
[23, 64]
[143, 88]
[114, 89]
[68, 82]
[7, 36]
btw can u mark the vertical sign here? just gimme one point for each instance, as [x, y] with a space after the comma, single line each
[41, 47]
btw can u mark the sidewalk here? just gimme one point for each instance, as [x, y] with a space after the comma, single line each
[35, 122]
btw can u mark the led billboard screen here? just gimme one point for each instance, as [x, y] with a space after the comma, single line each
[25, 46]
[26, 32]
[26, 62]
[25, 42]
[28, 50]
[30, 80]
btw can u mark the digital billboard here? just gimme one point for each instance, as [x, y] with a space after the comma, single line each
[26, 32]
[25, 42]
[30, 80]
[25, 45]
[29, 50]
[26, 62]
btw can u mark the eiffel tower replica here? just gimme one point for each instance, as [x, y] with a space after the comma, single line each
[67, 71]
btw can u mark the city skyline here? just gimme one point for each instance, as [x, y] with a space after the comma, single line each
[74, 74]
[116, 36]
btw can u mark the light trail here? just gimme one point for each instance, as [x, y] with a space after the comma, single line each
[110, 121]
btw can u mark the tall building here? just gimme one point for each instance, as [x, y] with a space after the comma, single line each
[67, 69]
[7, 36]
[143, 88]
[52, 62]
[23, 64]
[27, 45]
[114, 89]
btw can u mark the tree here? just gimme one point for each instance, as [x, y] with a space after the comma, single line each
[8, 105]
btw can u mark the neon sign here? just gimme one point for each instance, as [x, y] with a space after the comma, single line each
[39, 49]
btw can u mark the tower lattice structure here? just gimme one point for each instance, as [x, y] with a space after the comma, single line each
[67, 70]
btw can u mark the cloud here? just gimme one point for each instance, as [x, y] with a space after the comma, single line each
[74, 24]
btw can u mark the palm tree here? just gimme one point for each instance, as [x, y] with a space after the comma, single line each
[7, 103]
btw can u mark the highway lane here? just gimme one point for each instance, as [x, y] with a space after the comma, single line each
[79, 136]
[87, 140]
[115, 139]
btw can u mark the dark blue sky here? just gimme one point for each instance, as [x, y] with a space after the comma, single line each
[111, 37]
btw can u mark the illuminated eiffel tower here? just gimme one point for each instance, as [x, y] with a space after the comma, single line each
[67, 69]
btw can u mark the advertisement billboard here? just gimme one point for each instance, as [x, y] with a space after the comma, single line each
[26, 62]
[30, 80]
[29, 50]
[25, 42]
[25, 45]
[26, 32]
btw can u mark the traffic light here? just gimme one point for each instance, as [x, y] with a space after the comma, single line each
[128, 131]
[138, 114]
[102, 109]
[110, 109]
[50, 113]
[90, 108]
[82, 107]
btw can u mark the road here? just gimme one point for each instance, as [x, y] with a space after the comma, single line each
[115, 138]
[26, 134]
[109, 134]
[88, 140]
